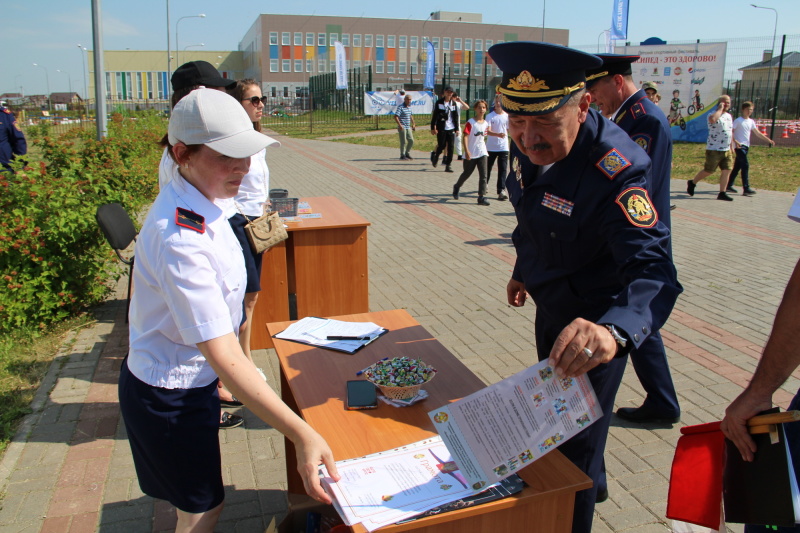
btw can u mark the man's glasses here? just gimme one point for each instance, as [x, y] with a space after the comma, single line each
[255, 100]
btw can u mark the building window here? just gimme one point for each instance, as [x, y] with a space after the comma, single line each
[287, 65]
[379, 41]
[357, 40]
[479, 45]
[298, 65]
[402, 68]
[379, 67]
[402, 41]
[298, 39]
[413, 67]
[466, 70]
[391, 42]
[356, 64]
[788, 77]
[467, 44]
[457, 69]
[320, 39]
[286, 92]
[333, 66]
[309, 65]
[286, 38]
[321, 65]
[457, 43]
[334, 38]
[368, 40]
[390, 67]
[346, 39]
[489, 43]
[273, 92]
[309, 39]
[446, 43]
[273, 37]
[414, 42]
[273, 65]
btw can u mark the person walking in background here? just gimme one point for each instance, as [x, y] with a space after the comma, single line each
[743, 128]
[249, 204]
[475, 153]
[184, 316]
[590, 248]
[405, 127]
[497, 146]
[460, 104]
[613, 90]
[12, 140]
[445, 124]
[718, 149]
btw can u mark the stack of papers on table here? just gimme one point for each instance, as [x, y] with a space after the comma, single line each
[338, 335]
[387, 487]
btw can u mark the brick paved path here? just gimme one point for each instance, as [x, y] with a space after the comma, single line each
[447, 262]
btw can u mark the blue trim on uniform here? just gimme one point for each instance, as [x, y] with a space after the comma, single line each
[174, 438]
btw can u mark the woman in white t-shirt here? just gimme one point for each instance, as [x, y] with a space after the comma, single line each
[475, 153]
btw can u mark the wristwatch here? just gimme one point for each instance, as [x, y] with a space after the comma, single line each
[621, 340]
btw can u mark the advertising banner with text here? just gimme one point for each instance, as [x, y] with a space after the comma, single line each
[385, 102]
[689, 79]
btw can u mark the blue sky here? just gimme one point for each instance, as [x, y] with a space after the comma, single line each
[47, 32]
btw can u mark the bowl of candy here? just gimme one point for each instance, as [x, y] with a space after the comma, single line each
[400, 378]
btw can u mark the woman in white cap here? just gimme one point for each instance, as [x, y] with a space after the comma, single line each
[185, 312]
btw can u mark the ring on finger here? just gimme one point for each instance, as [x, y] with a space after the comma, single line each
[588, 352]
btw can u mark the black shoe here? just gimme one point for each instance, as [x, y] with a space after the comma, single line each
[645, 415]
[748, 192]
[502, 196]
[723, 196]
[731, 189]
[409, 157]
[672, 206]
[460, 158]
[455, 192]
[231, 403]
[403, 158]
[602, 495]
[434, 159]
[690, 185]
[229, 421]
[448, 169]
[482, 201]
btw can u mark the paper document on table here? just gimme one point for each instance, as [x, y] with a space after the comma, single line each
[498, 430]
[386, 487]
[349, 336]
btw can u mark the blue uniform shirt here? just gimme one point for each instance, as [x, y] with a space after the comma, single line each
[12, 140]
[647, 125]
[588, 243]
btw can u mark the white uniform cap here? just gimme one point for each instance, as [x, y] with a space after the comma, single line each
[217, 120]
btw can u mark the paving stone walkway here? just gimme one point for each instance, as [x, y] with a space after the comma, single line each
[447, 262]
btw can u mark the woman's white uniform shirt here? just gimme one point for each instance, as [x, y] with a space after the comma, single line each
[188, 288]
[254, 189]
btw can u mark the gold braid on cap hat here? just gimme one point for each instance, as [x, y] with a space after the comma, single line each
[533, 108]
[595, 76]
[560, 92]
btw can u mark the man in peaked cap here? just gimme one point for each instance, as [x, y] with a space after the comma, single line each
[611, 87]
[591, 250]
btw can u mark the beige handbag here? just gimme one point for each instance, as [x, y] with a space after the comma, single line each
[265, 232]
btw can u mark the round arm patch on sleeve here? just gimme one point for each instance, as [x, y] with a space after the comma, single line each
[638, 208]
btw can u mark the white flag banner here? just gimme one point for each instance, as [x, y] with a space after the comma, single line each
[341, 66]
[386, 102]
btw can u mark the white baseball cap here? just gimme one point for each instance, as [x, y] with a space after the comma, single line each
[217, 120]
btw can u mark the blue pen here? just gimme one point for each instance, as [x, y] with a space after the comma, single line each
[370, 366]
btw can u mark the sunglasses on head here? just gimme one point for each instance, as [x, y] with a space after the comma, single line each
[255, 100]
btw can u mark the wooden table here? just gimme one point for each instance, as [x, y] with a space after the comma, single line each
[322, 265]
[313, 384]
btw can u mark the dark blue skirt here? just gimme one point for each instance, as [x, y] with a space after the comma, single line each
[174, 438]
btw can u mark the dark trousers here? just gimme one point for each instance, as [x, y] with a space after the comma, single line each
[469, 166]
[651, 366]
[586, 448]
[502, 169]
[445, 142]
[741, 163]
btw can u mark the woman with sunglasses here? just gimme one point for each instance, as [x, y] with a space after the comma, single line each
[250, 202]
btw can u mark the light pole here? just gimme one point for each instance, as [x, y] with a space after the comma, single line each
[68, 78]
[83, 62]
[177, 43]
[199, 45]
[47, 79]
[774, 31]
[21, 93]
